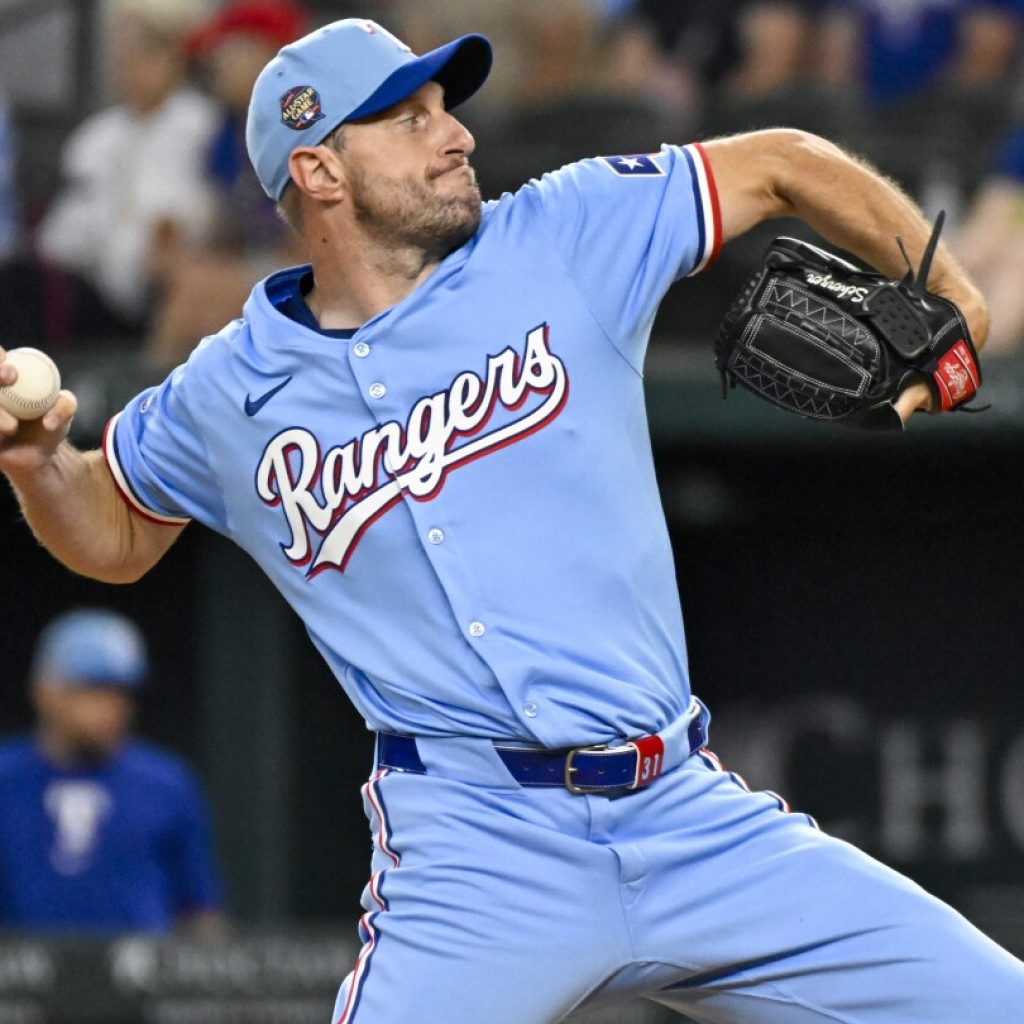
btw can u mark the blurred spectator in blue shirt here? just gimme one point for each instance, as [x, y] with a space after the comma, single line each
[99, 832]
[936, 76]
[899, 48]
[234, 47]
[206, 282]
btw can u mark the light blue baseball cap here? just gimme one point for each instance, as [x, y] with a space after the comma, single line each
[351, 68]
[90, 647]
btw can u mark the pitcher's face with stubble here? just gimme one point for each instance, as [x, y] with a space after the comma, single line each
[409, 176]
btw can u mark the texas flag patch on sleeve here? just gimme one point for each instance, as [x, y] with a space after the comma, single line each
[634, 166]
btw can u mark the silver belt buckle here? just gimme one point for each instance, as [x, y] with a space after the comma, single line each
[569, 769]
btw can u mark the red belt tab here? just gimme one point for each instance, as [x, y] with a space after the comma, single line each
[956, 376]
[650, 760]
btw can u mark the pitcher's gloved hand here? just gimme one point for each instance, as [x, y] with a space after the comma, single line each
[815, 334]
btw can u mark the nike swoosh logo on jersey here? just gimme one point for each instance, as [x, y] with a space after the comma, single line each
[253, 406]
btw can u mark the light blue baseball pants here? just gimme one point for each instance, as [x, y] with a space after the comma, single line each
[494, 904]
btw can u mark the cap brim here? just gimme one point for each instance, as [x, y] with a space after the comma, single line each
[89, 681]
[459, 67]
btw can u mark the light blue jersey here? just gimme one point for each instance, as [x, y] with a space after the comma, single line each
[460, 501]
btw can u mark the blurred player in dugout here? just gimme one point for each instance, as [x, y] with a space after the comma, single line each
[99, 832]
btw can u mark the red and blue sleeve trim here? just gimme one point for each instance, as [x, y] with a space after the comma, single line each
[705, 200]
[131, 499]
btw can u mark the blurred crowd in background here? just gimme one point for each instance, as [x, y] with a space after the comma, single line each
[155, 228]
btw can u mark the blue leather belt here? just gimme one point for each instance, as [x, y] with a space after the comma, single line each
[595, 769]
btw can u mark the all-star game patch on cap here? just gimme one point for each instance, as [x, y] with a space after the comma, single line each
[346, 70]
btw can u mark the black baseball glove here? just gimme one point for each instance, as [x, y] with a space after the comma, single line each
[814, 334]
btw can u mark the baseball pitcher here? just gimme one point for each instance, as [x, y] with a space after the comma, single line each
[433, 440]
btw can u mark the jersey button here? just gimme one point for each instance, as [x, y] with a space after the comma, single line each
[435, 536]
[530, 710]
[361, 349]
[477, 629]
[378, 390]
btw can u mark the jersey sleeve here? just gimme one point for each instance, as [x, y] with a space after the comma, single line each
[158, 458]
[627, 227]
[192, 870]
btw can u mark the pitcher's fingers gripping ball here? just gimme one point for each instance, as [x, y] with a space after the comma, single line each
[36, 388]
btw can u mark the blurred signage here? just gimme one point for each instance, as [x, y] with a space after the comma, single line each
[28, 978]
[141, 980]
[936, 793]
[247, 980]
[946, 787]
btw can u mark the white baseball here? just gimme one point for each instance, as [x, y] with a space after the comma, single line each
[37, 386]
